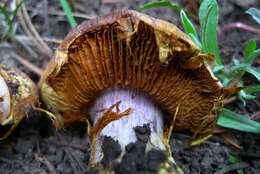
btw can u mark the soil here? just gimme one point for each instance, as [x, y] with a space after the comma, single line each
[37, 147]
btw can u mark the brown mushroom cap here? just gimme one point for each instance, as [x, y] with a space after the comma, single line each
[20, 94]
[130, 49]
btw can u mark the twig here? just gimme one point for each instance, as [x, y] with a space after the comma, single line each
[75, 146]
[219, 130]
[47, 39]
[233, 167]
[235, 80]
[61, 13]
[27, 47]
[45, 16]
[31, 31]
[230, 100]
[229, 141]
[26, 63]
[16, 161]
[79, 15]
[27, 31]
[36, 34]
[255, 116]
[47, 163]
[74, 169]
[24, 166]
[77, 160]
[237, 25]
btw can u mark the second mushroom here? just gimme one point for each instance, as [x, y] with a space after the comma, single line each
[126, 72]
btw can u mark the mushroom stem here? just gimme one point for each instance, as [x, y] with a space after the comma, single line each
[117, 113]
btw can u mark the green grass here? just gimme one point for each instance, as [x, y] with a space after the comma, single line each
[68, 13]
[208, 42]
[9, 19]
[234, 160]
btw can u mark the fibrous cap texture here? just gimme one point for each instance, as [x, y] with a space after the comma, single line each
[18, 93]
[131, 50]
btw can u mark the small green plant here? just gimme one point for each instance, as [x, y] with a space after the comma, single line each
[208, 42]
[11, 19]
[234, 160]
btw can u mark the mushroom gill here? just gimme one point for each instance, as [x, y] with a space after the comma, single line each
[127, 54]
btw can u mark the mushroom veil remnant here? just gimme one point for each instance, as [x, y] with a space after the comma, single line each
[126, 70]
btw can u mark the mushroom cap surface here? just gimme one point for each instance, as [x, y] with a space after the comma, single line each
[131, 50]
[18, 93]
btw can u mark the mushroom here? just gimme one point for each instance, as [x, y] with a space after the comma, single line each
[126, 70]
[17, 94]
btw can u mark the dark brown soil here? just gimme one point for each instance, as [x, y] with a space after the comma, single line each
[36, 147]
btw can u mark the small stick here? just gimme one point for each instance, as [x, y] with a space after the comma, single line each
[255, 116]
[26, 63]
[45, 161]
[80, 147]
[233, 167]
[61, 13]
[36, 34]
[80, 164]
[27, 31]
[74, 169]
[47, 39]
[230, 100]
[229, 141]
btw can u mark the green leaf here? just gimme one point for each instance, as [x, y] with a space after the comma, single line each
[243, 96]
[252, 56]
[232, 120]
[189, 28]
[253, 72]
[233, 159]
[218, 68]
[240, 171]
[252, 89]
[244, 68]
[237, 67]
[67, 10]
[195, 40]
[255, 13]
[208, 14]
[250, 48]
[160, 4]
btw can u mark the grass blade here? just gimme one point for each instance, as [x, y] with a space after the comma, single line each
[253, 55]
[232, 120]
[253, 72]
[252, 89]
[7, 18]
[160, 4]
[189, 28]
[17, 8]
[208, 14]
[67, 10]
[250, 48]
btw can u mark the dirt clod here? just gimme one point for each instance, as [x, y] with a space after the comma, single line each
[111, 150]
[154, 159]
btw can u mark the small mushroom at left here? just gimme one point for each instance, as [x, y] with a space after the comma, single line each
[18, 93]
